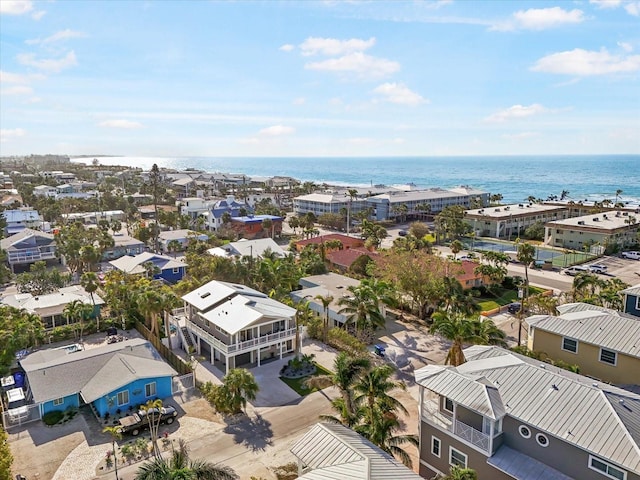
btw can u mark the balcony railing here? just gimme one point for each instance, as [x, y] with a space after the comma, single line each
[19, 257]
[431, 413]
[241, 347]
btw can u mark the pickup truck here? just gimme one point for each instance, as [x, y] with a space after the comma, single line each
[138, 422]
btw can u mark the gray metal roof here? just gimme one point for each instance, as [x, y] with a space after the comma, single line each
[583, 307]
[41, 238]
[634, 290]
[334, 451]
[134, 265]
[614, 332]
[558, 402]
[92, 373]
[523, 467]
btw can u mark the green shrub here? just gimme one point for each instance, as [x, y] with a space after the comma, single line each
[344, 341]
[53, 417]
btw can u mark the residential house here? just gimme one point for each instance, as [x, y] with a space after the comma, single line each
[183, 187]
[251, 226]
[183, 237]
[50, 307]
[164, 268]
[605, 344]
[123, 245]
[343, 259]
[113, 378]
[27, 247]
[510, 221]
[333, 451]
[632, 300]
[45, 191]
[347, 241]
[18, 220]
[92, 218]
[508, 416]
[609, 231]
[233, 325]
[469, 278]
[215, 215]
[325, 285]
[257, 248]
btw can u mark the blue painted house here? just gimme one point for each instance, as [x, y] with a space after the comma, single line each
[632, 300]
[167, 268]
[120, 376]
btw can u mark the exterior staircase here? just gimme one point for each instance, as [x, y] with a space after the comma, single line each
[186, 339]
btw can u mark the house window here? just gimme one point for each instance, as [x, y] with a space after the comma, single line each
[58, 401]
[176, 270]
[123, 398]
[638, 303]
[447, 405]
[524, 431]
[569, 345]
[542, 440]
[606, 468]
[457, 458]
[435, 446]
[150, 389]
[608, 356]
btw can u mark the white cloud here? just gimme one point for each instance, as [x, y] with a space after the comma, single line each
[514, 112]
[633, 8]
[587, 62]
[17, 90]
[277, 130]
[37, 15]
[61, 35]
[15, 7]
[333, 47]
[540, 19]
[399, 93]
[357, 63]
[286, 47]
[121, 123]
[8, 77]
[627, 47]
[8, 134]
[299, 101]
[606, 3]
[49, 64]
[520, 136]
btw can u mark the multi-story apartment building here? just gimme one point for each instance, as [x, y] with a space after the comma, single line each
[610, 230]
[510, 221]
[233, 325]
[605, 344]
[512, 417]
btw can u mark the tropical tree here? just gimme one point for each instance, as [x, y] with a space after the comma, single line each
[241, 386]
[326, 301]
[153, 418]
[352, 193]
[373, 392]
[526, 254]
[174, 246]
[155, 181]
[116, 434]
[361, 308]
[77, 312]
[180, 467]
[90, 282]
[461, 330]
[456, 247]
[458, 473]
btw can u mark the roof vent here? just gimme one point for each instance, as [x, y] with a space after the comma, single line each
[496, 210]
[205, 294]
[554, 386]
[520, 205]
[595, 385]
[580, 222]
[542, 365]
[596, 219]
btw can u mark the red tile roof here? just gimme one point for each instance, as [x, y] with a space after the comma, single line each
[347, 242]
[344, 258]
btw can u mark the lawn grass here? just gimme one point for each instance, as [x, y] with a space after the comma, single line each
[507, 297]
[298, 385]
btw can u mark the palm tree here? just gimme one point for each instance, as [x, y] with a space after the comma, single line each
[458, 473]
[456, 247]
[362, 308]
[76, 311]
[373, 389]
[174, 246]
[90, 283]
[460, 330]
[116, 434]
[326, 301]
[352, 194]
[618, 193]
[526, 254]
[180, 467]
[346, 370]
[241, 386]
[150, 303]
[153, 417]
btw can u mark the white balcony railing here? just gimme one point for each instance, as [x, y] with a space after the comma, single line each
[241, 347]
[431, 413]
[21, 257]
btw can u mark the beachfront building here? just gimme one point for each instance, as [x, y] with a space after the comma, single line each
[233, 325]
[610, 231]
[508, 416]
[50, 307]
[334, 202]
[510, 221]
[27, 247]
[602, 342]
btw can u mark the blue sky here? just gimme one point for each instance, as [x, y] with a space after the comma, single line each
[336, 78]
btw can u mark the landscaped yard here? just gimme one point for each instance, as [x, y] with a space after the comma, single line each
[298, 383]
[507, 297]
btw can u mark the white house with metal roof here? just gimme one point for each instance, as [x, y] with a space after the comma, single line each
[234, 325]
[115, 377]
[605, 344]
[163, 267]
[256, 248]
[332, 451]
[508, 416]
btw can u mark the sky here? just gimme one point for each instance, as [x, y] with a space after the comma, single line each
[325, 78]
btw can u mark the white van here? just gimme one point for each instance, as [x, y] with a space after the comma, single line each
[632, 255]
[573, 271]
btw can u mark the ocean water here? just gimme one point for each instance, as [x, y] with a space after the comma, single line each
[593, 177]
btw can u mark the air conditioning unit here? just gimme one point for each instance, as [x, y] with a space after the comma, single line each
[580, 222]
[596, 219]
[497, 210]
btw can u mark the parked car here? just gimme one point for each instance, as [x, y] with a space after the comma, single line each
[137, 422]
[632, 255]
[573, 271]
[403, 233]
[597, 268]
[514, 308]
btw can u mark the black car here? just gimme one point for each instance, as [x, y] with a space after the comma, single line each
[403, 233]
[514, 307]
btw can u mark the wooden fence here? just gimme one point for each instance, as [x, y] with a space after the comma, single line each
[171, 358]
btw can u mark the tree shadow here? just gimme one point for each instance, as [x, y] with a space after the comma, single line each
[254, 433]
